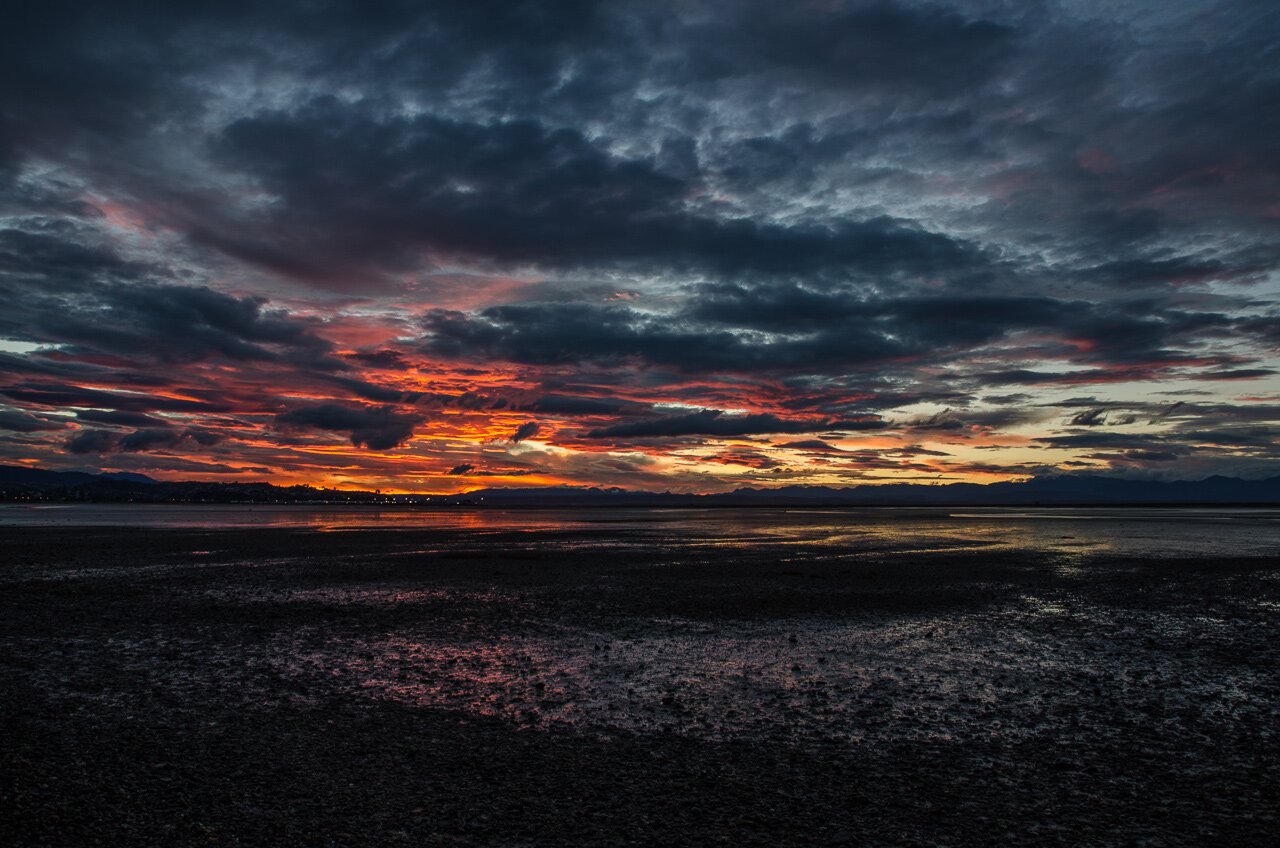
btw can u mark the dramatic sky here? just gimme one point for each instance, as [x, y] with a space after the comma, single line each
[689, 245]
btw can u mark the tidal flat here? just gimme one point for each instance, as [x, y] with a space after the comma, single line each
[609, 683]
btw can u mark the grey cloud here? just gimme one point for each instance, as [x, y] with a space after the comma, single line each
[92, 441]
[844, 206]
[514, 191]
[1090, 417]
[375, 428]
[714, 422]
[22, 422]
[165, 438]
[123, 419]
[527, 430]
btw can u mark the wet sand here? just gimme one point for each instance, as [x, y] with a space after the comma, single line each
[601, 686]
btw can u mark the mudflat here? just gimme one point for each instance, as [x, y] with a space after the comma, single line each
[602, 686]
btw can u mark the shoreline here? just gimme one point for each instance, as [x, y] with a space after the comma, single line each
[599, 685]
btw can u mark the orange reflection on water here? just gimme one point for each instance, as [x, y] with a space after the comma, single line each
[1131, 532]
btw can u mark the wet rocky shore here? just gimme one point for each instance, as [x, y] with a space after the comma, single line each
[606, 687]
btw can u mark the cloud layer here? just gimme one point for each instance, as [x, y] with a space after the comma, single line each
[671, 245]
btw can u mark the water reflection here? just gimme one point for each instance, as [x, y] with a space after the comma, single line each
[1137, 532]
[536, 628]
[997, 672]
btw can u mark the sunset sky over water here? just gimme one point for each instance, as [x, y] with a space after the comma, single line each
[659, 245]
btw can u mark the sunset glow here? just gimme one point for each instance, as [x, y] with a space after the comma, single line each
[688, 248]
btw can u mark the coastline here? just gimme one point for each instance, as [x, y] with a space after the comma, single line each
[591, 685]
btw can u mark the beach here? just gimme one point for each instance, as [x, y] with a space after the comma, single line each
[607, 682]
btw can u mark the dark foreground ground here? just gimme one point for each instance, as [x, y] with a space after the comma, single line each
[283, 687]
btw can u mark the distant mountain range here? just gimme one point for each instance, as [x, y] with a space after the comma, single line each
[34, 484]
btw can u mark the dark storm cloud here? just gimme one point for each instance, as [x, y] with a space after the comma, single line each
[1263, 439]
[165, 438]
[1139, 271]
[1265, 329]
[572, 405]
[22, 422]
[1102, 439]
[527, 430]
[96, 69]
[55, 364]
[516, 191]
[92, 441]
[375, 428]
[1167, 411]
[818, 209]
[1090, 417]
[124, 419]
[144, 440]
[1136, 455]
[551, 333]
[464, 468]
[50, 250]
[360, 185]
[1236, 374]
[87, 75]
[788, 327]
[165, 322]
[965, 421]
[385, 358]
[369, 391]
[926, 51]
[714, 422]
[568, 333]
[61, 292]
[1187, 429]
[809, 444]
[61, 395]
[944, 320]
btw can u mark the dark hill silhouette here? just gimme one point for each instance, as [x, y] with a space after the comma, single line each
[20, 483]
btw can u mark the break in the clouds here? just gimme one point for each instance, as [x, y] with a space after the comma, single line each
[686, 245]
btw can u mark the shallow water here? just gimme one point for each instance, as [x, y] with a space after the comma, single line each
[1165, 532]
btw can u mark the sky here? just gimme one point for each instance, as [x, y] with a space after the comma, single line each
[686, 245]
